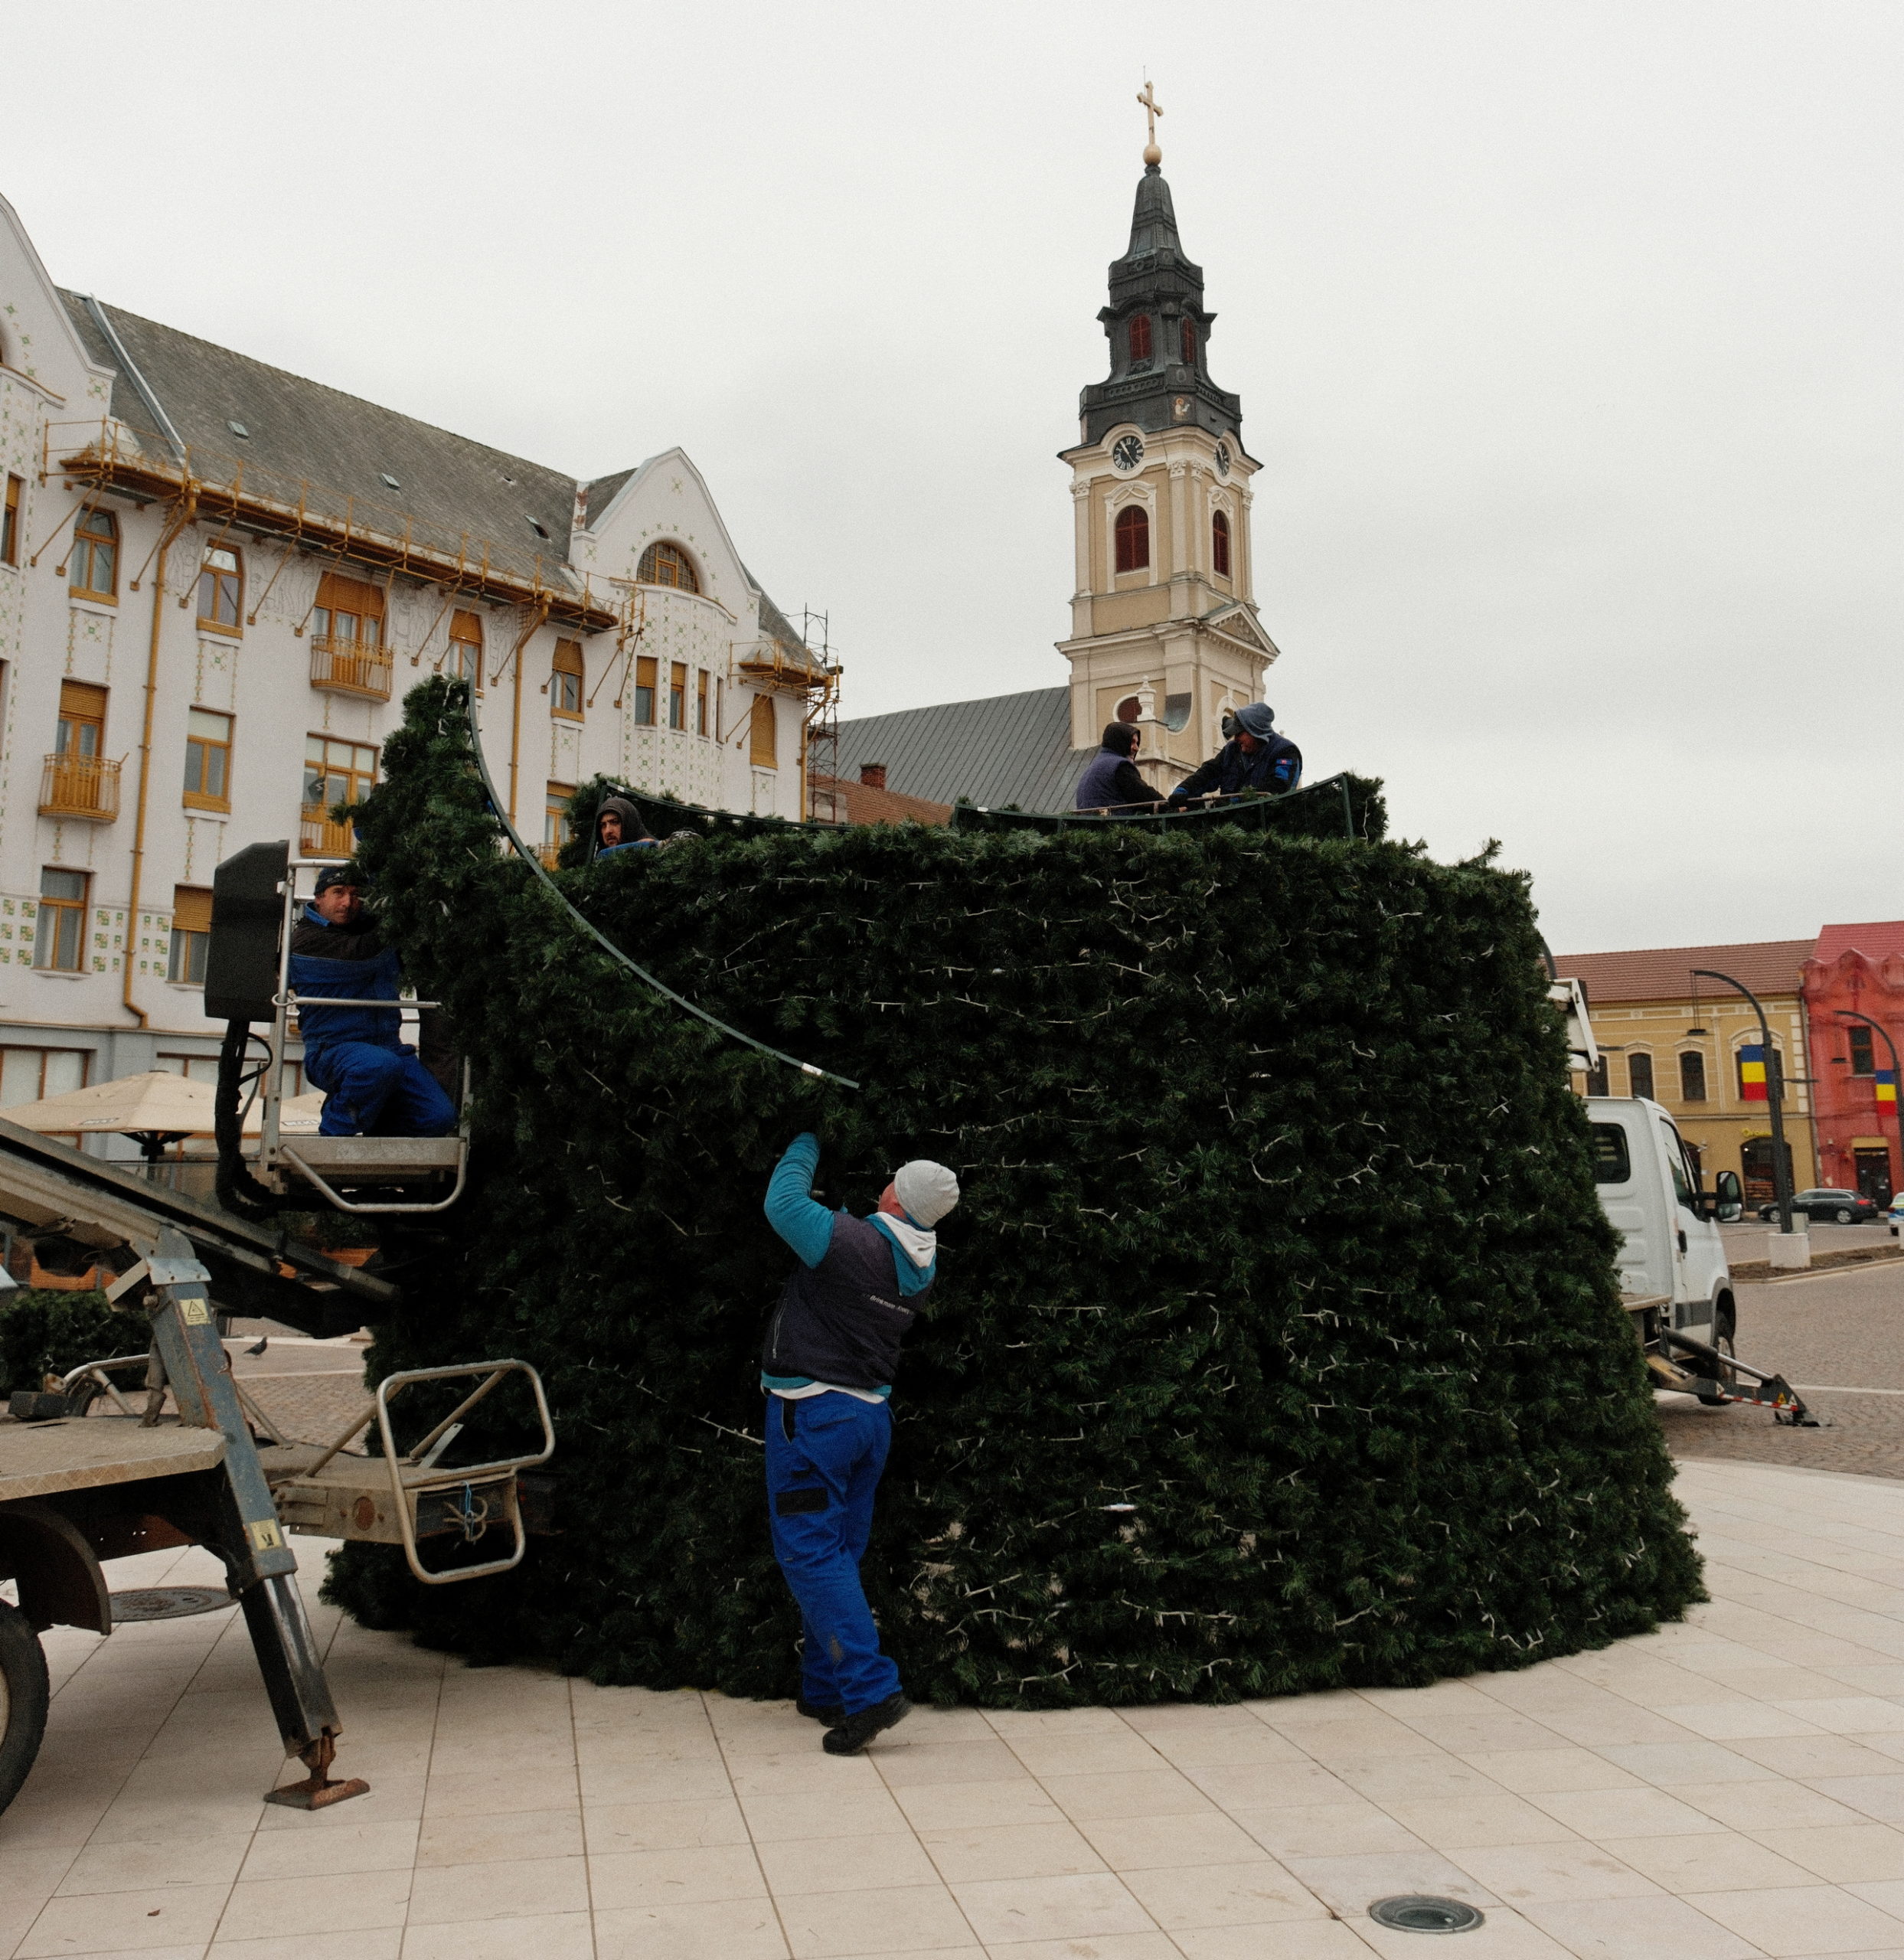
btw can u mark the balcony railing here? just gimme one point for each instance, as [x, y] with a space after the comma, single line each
[318, 837]
[82, 786]
[351, 666]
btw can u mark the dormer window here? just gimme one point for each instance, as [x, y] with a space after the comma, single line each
[1190, 343]
[1141, 337]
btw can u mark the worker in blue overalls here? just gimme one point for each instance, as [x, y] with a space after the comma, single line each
[373, 1082]
[831, 1350]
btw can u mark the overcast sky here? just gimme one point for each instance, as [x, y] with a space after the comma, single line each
[1567, 335]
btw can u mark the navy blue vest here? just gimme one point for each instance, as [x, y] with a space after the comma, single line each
[842, 1320]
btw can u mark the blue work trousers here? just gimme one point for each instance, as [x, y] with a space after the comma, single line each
[821, 1480]
[369, 1090]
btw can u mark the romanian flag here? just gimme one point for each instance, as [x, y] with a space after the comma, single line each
[1887, 1085]
[1752, 1073]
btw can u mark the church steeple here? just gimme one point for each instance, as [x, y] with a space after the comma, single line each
[1159, 330]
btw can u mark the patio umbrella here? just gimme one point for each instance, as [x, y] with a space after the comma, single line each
[156, 1108]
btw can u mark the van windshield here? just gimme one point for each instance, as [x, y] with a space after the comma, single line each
[1611, 1163]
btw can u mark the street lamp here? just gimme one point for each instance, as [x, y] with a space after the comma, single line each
[1775, 1097]
[1897, 1076]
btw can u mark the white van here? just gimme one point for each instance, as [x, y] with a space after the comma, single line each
[1650, 1189]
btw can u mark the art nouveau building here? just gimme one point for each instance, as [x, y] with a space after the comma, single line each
[218, 581]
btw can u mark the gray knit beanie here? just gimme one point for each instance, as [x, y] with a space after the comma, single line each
[928, 1190]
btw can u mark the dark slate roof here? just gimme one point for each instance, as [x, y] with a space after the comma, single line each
[1011, 749]
[300, 429]
[597, 496]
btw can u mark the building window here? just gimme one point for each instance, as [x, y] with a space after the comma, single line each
[207, 761]
[465, 648]
[195, 1068]
[1639, 1076]
[700, 702]
[59, 943]
[1220, 545]
[349, 613]
[30, 1075]
[335, 772]
[645, 682]
[221, 586]
[555, 821]
[566, 675]
[763, 750]
[1692, 1077]
[9, 523]
[677, 695]
[82, 730]
[1133, 533]
[1596, 1082]
[667, 564]
[1141, 337]
[1863, 1061]
[95, 570]
[191, 940]
[1188, 343]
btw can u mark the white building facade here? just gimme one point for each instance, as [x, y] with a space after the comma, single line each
[218, 581]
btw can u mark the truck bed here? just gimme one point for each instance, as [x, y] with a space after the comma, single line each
[81, 1452]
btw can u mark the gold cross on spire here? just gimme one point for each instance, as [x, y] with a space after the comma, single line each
[1152, 109]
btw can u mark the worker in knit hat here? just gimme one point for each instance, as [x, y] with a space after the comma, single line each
[831, 1350]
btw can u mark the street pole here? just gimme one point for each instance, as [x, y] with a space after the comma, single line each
[1897, 1079]
[1774, 1098]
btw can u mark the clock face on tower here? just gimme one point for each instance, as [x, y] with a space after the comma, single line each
[1222, 458]
[1128, 452]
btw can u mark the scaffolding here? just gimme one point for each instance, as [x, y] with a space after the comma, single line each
[820, 731]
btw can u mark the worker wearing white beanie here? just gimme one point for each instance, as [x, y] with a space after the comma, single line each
[831, 1350]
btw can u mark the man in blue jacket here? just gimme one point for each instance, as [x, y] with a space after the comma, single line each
[1255, 757]
[1110, 780]
[373, 1083]
[831, 1350]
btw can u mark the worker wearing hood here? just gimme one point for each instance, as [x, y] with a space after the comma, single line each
[832, 1350]
[1255, 758]
[618, 827]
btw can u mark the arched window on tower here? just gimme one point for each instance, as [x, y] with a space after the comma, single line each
[1190, 343]
[667, 564]
[1133, 533]
[1141, 337]
[1219, 544]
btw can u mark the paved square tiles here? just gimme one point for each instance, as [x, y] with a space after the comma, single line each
[1733, 1786]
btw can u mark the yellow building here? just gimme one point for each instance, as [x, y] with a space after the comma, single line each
[1664, 1034]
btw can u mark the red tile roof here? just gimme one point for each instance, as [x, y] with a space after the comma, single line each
[1665, 973]
[862, 804]
[1874, 941]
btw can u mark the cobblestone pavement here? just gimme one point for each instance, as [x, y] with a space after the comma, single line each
[1834, 1331]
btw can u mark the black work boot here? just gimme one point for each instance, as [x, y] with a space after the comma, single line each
[828, 1714]
[849, 1736]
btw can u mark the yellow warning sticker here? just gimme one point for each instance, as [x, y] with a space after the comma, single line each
[193, 1313]
[265, 1535]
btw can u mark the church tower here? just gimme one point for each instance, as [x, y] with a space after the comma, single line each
[1164, 626]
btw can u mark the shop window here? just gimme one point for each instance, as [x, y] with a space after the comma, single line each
[465, 648]
[9, 523]
[1864, 1059]
[30, 1075]
[221, 589]
[94, 565]
[191, 942]
[59, 940]
[1133, 534]
[194, 1068]
[1639, 1076]
[667, 564]
[700, 702]
[207, 761]
[763, 748]
[1692, 1077]
[677, 695]
[565, 677]
[1141, 337]
[646, 681]
[1220, 545]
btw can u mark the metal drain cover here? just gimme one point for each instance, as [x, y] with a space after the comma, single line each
[1421, 1912]
[168, 1602]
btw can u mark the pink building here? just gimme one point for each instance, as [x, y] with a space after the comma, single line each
[1861, 967]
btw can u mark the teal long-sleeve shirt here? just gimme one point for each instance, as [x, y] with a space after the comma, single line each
[807, 1226]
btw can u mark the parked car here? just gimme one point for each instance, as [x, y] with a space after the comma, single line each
[1830, 1206]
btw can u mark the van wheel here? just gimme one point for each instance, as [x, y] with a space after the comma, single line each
[23, 1700]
